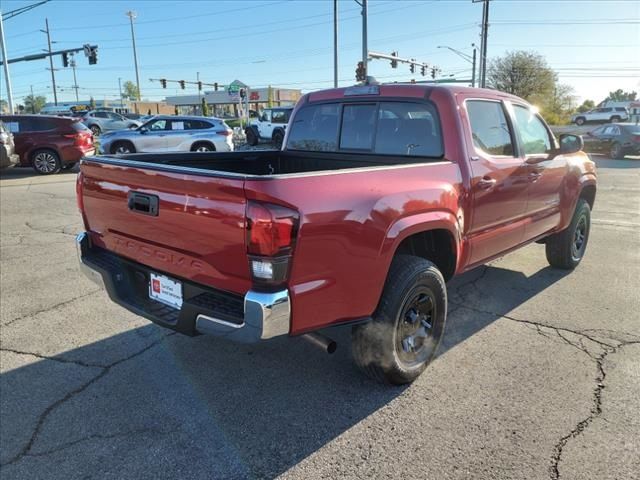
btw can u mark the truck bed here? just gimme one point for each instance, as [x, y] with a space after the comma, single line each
[260, 163]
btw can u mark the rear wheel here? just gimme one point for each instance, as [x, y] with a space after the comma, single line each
[96, 130]
[403, 336]
[46, 162]
[203, 147]
[580, 121]
[278, 137]
[616, 151]
[122, 148]
[252, 138]
[566, 249]
[615, 119]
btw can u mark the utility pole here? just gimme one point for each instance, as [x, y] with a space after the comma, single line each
[33, 103]
[365, 48]
[5, 63]
[120, 89]
[75, 80]
[483, 43]
[53, 72]
[335, 43]
[473, 66]
[132, 15]
[199, 89]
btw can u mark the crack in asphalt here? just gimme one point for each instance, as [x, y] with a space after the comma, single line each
[562, 333]
[25, 451]
[51, 308]
[54, 359]
[60, 230]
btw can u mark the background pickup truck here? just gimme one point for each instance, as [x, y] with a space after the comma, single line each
[380, 194]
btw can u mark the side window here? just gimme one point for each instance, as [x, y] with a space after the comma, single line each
[358, 123]
[279, 116]
[598, 131]
[606, 110]
[158, 125]
[266, 116]
[408, 129]
[534, 135]
[13, 126]
[489, 127]
[196, 125]
[177, 125]
[315, 128]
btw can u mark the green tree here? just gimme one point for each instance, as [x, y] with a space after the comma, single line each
[522, 73]
[34, 103]
[205, 108]
[131, 91]
[621, 96]
[586, 106]
[92, 104]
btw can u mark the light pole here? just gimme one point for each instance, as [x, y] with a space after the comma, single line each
[132, 15]
[75, 80]
[120, 88]
[5, 64]
[469, 58]
[335, 43]
[53, 70]
[365, 48]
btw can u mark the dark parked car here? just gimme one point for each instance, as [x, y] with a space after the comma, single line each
[8, 157]
[616, 140]
[48, 143]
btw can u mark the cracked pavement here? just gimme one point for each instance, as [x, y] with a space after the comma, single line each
[538, 376]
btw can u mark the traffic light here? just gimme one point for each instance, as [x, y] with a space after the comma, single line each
[163, 82]
[394, 63]
[199, 85]
[181, 82]
[361, 74]
[423, 70]
[215, 86]
[412, 66]
[243, 93]
[65, 59]
[434, 72]
[93, 55]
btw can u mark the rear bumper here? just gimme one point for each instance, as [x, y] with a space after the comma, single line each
[256, 316]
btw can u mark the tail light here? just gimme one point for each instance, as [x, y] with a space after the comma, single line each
[78, 138]
[636, 138]
[271, 237]
[225, 133]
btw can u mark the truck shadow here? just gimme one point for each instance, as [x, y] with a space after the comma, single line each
[221, 410]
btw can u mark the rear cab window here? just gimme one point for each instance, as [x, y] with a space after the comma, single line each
[382, 128]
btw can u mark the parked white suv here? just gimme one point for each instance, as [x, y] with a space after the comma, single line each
[601, 115]
[269, 126]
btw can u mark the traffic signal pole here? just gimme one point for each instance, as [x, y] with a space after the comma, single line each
[6, 68]
[365, 48]
[53, 72]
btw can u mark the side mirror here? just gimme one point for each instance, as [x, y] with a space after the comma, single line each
[570, 143]
[143, 130]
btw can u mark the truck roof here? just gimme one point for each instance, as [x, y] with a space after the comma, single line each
[408, 90]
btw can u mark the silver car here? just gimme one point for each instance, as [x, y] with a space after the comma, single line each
[171, 134]
[100, 121]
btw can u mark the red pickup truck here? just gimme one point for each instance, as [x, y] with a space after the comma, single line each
[380, 194]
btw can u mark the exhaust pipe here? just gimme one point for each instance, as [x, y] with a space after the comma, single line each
[321, 341]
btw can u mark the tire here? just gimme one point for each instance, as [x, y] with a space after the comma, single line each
[203, 147]
[580, 121]
[252, 138]
[402, 338]
[46, 162]
[616, 151]
[96, 130]
[69, 166]
[566, 249]
[122, 148]
[133, 125]
[278, 138]
[614, 119]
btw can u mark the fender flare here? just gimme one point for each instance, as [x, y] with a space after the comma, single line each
[276, 130]
[422, 222]
[253, 128]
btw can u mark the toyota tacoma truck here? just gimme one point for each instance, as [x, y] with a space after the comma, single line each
[380, 195]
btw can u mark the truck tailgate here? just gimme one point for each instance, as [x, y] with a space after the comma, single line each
[197, 233]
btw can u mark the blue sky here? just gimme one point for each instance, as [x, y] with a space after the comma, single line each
[593, 45]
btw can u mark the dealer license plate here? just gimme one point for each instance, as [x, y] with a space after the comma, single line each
[165, 290]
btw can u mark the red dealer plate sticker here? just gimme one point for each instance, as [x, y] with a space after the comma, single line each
[165, 290]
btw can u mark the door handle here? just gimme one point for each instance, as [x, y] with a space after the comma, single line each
[533, 176]
[486, 183]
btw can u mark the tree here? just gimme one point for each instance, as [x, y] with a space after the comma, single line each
[621, 96]
[522, 73]
[586, 106]
[34, 103]
[92, 104]
[131, 91]
[4, 106]
[205, 108]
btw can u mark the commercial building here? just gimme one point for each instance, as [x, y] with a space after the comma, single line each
[226, 101]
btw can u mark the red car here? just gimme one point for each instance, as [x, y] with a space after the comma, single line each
[380, 194]
[48, 143]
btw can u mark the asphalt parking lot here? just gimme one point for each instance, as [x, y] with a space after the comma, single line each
[538, 378]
